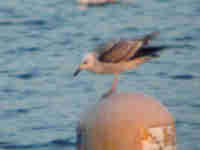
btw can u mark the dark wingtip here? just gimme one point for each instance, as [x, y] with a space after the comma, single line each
[152, 51]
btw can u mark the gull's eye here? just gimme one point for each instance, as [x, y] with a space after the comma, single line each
[85, 62]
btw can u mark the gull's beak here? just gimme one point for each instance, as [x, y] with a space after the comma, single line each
[78, 70]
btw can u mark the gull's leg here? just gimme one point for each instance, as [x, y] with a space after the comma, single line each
[114, 86]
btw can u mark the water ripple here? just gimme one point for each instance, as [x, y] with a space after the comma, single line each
[185, 38]
[61, 142]
[162, 74]
[9, 90]
[25, 76]
[15, 146]
[19, 21]
[38, 22]
[10, 113]
[56, 142]
[29, 49]
[183, 77]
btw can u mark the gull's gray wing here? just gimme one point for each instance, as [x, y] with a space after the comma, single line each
[124, 50]
[104, 47]
[119, 51]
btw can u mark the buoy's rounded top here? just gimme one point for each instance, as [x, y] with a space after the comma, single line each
[135, 107]
[118, 121]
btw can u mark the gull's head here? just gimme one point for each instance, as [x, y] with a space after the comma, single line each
[87, 63]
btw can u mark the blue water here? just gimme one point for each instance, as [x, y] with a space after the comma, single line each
[42, 42]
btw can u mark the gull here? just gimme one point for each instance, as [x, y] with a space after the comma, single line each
[115, 57]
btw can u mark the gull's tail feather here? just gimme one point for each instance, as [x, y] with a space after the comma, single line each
[151, 51]
[150, 37]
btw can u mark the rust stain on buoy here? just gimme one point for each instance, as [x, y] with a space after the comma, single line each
[158, 138]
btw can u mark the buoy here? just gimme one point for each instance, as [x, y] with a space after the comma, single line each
[126, 121]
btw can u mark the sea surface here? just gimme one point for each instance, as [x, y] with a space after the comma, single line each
[43, 41]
